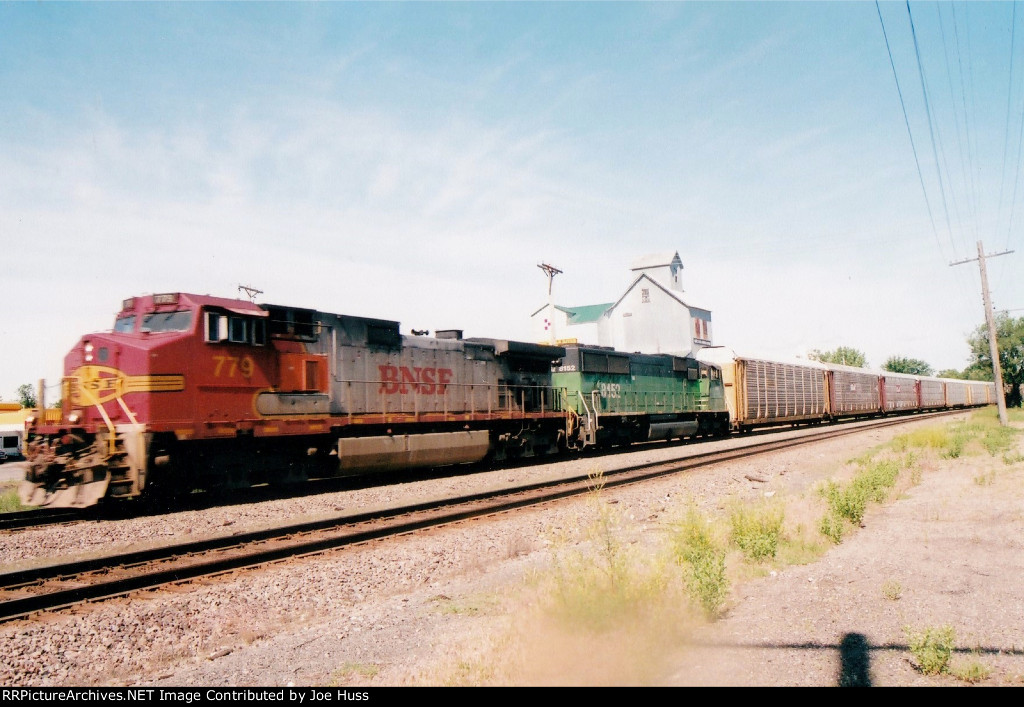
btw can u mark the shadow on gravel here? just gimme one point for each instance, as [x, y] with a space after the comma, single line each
[854, 661]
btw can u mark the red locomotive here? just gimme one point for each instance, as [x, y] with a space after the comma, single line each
[192, 391]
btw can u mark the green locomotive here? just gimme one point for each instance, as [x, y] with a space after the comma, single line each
[614, 397]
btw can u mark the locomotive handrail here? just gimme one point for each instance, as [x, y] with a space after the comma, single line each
[654, 401]
[512, 399]
[129, 413]
[112, 438]
[508, 399]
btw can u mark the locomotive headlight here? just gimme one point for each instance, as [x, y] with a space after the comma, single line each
[75, 417]
[88, 352]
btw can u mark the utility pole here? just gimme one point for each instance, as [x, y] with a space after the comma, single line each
[550, 271]
[993, 345]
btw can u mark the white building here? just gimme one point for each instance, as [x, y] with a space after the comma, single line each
[651, 316]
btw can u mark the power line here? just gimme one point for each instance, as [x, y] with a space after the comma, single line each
[910, 133]
[956, 127]
[1020, 139]
[931, 127]
[1009, 98]
[969, 185]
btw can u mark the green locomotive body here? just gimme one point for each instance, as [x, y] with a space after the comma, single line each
[620, 398]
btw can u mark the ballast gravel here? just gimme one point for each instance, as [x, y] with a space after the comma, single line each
[434, 608]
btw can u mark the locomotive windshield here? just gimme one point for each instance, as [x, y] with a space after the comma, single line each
[125, 325]
[167, 321]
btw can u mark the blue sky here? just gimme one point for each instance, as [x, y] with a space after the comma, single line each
[416, 161]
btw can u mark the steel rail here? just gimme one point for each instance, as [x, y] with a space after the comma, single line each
[21, 520]
[343, 531]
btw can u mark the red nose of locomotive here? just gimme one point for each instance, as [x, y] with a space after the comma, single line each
[97, 444]
[104, 370]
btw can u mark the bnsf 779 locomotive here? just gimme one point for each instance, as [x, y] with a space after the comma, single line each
[197, 392]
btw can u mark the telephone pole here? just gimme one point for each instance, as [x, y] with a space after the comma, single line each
[993, 346]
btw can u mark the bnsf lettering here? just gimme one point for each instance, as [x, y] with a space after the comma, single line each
[402, 379]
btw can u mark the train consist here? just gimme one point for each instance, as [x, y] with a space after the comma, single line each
[762, 392]
[196, 392]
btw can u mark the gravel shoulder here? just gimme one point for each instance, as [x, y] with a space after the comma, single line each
[464, 605]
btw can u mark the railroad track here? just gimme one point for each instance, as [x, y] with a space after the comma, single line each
[26, 592]
[21, 520]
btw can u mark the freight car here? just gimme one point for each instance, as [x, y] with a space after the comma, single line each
[762, 392]
[197, 392]
[853, 392]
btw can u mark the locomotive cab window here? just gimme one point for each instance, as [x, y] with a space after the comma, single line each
[214, 324]
[238, 332]
[235, 329]
[258, 330]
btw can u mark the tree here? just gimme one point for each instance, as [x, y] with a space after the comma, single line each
[902, 364]
[844, 355]
[26, 396]
[1010, 340]
[950, 373]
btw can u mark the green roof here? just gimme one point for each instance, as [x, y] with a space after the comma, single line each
[585, 314]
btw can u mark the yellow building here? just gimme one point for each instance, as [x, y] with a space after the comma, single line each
[12, 427]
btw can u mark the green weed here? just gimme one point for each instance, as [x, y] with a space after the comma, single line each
[832, 527]
[955, 448]
[9, 500]
[892, 590]
[347, 672]
[865, 458]
[997, 440]
[971, 672]
[985, 479]
[847, 504]
[926, 438]
[1011, 458]
[756, 531]
[703, 561]
[799, 547]
[948, 441]
[598, 591]
[931, 648]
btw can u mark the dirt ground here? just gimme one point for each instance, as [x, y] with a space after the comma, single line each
[948, 552]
